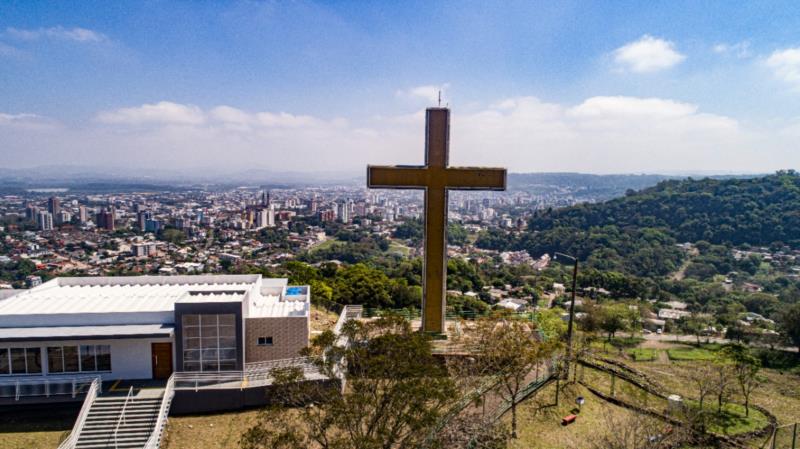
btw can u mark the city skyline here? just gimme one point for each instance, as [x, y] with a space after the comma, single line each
[307, 87]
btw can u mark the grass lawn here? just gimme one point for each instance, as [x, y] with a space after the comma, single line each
[694, 354]
[325, 245]
[643, 354]
[732, 420]
[540, 427]
[41, 428]
[399, 249]
[213, 431]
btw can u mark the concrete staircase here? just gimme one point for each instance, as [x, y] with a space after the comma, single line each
[135, 429]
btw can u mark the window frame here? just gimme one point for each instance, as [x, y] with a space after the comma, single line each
[27, 356]
[201, 337]
[96, 354]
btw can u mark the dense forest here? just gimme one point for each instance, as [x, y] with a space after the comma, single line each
[638, 233]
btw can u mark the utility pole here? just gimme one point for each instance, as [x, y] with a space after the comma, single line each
[571, 307]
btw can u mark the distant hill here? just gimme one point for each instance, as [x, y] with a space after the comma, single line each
[637, 233]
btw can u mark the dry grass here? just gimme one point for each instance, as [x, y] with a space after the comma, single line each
[36, 428]
[322, 320]
[540, 422]
[217, 431]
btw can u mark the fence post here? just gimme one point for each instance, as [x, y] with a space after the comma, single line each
[794, 436]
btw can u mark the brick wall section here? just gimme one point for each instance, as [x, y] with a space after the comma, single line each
[289, 336]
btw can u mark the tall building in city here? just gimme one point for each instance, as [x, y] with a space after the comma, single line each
[105, 219]
[83, 214]
[141, 219]
[265, 218]
[63, 217]
[343, 213]
[54, 206]
[44, 220]
[31, 212]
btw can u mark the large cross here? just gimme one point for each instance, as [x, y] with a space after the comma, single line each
[436, 178]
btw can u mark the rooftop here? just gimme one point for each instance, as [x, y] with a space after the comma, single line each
[151, 298]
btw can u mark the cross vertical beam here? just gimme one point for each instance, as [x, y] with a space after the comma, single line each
[436, 179]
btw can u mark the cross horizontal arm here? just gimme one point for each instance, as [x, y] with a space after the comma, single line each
[468, 178]
[396, 177]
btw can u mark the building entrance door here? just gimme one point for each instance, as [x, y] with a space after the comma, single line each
[162, 360]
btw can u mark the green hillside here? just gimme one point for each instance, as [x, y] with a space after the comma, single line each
[638, 233]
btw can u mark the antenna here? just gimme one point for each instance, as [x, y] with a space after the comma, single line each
[440, 98]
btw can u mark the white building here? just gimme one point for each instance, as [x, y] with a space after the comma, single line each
[149, 326]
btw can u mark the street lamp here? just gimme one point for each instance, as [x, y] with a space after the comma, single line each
[572, 304]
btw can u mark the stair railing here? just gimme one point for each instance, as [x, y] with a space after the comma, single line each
[91, 395]
[163, 414]
[121, 419]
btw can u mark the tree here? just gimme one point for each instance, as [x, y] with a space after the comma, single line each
[722, 380]
[614, 318]
[702, 377]
[790, 324]
[360, 284]
[638, 431]
[396, 392]
[745, 369]
[510, 349]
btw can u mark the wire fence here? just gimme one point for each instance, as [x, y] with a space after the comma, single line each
[785, 437]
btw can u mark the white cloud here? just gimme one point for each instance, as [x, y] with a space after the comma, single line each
[76, 34]
[163, 112]
[648, 54]
[786, 65]
[429, 93]
[8, 50]
[601, 134]
[740, 50]
[27, 121]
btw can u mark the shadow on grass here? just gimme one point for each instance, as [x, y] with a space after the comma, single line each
[40, 418]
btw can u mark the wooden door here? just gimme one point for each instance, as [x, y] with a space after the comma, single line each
[162, 360]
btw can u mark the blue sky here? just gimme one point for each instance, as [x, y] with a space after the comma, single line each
[536, 86]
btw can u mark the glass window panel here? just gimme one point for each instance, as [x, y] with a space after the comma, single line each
[88, 362]
[191, 332]
[191, 320]
[208, 331]
[191, 366]
[191, 355]
[209, 342]
[227, 354]
[18, 361]
[227, 342]
[71, 364]
[55, 359]
[208, 320]
[4, 365]
[210, 365]
[103, 357]
[227, 366]
[227, 320]
[227, 331]
[191, 343]
[209, 354]
[34, 356]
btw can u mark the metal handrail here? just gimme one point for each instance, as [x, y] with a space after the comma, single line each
[272, 364]
[91, 395]
[121, 418]
[47, 383]
[163, 415]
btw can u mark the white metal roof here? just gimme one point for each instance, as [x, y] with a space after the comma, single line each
[84, 332]
[82, 301]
